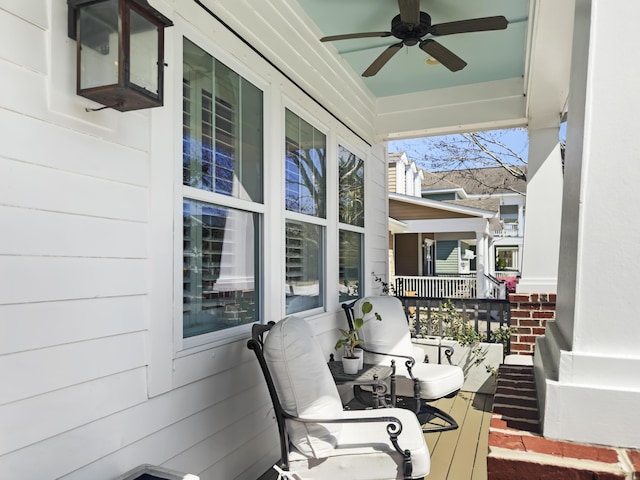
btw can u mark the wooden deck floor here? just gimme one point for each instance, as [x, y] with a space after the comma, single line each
[459, 454]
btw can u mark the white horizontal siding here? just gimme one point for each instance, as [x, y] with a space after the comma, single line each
[203, 439]
[19, 48]
[33, 11]
[43, 143]
[44, 416]
[41, 279]
[143, 433]
[44, 233]
[30, 186]
[46, 324]
[36, 372]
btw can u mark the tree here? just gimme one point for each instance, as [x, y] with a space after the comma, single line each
[467, 152]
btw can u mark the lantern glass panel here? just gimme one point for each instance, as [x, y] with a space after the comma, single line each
[99, 44]
[143, 51]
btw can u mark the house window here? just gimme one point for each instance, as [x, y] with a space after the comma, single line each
[351, 188]
[305, 167]
[506, 258]
[351, 218]
[305, 200]
[509, 213]
[222, 146]
[304, 266]
[222, 161]
[350, 265]
[219, 267]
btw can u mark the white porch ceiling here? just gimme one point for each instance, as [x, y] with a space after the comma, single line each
[491, 56]
[515, 77]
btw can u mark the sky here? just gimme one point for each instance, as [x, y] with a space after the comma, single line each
[419, 148]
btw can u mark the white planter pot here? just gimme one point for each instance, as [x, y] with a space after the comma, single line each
[350, 365]
[360, 354]
[476, 377]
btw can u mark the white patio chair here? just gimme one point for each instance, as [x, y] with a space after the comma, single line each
[318, 439]
[417, 382]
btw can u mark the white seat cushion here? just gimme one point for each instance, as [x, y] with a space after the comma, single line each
[391, 336]
[304, 385]
[437, 381]
[348, 460]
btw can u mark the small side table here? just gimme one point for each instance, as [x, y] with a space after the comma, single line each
[373, 375]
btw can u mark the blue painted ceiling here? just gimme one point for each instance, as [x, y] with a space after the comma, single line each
[492, 55]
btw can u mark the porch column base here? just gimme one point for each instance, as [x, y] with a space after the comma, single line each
[586, 397]
[537, 285]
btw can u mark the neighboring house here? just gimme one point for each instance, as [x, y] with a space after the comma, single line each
[450, 245]
[492, 189]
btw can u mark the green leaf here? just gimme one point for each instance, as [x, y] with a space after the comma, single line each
[358, 323]
[367, 307]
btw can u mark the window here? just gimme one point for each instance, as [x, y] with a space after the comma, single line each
[506, 258]
[305, 167]
[304, 266]
[351, 217]
[350, 265]
[222, 160]
[351, 188]
[305, 200]
[509, 213]
[219, 267]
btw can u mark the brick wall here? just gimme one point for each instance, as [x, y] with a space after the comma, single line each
[518, 451]
[529, 315]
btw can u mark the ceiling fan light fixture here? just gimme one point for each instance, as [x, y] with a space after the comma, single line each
[431, 61]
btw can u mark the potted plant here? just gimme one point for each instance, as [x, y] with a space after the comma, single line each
[350, 340]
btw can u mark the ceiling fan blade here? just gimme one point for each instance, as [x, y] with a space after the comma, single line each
[409, 11]
[380, 62]
[348, 36]
[445, 56]
[472, 25]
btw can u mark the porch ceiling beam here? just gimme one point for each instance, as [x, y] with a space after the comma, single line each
[489, 105]
[549, 61]
[448, 225]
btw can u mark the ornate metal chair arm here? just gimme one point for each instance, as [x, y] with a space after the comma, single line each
[409, 361]
[448, 352]
[394, 429]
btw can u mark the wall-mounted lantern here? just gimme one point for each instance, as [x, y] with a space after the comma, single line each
[120, 52]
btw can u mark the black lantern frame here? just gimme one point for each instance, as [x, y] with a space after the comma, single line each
[112, 29]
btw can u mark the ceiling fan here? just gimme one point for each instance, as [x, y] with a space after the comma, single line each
[412, 24]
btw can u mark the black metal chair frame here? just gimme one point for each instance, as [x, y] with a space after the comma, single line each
[394, 425]
[423, 410]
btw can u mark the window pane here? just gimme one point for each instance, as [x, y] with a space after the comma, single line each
[304, 167]
[222, 128]
[350, 265]
[351, 185]
[304, 266]
[220, 287]
[509, 213]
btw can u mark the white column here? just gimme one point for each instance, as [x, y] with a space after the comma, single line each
[544, 200]
[481, 258]
[587, 364]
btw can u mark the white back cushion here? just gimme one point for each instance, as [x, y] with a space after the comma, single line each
[304, 384]
[391, 335]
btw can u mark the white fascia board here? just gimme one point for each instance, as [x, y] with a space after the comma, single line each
[482, 106]
[396, 226]
[459, 190]
[449, 225]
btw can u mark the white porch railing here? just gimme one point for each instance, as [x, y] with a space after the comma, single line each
[508, 230]
[446, 287]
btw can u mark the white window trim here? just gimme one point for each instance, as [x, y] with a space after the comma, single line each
[187, 346]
